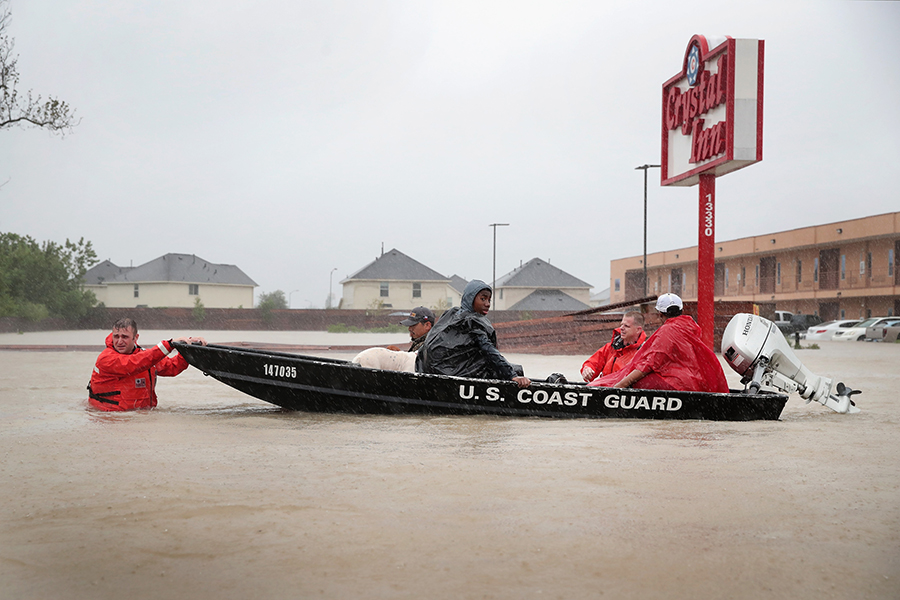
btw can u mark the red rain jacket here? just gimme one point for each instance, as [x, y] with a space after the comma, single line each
[674, 358]
[128, 381]
[608, 360]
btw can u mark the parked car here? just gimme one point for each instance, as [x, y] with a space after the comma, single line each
[825, 331]
[858, 332]
[799, 323]
[891, 335]
[782, 318]
[877, 331]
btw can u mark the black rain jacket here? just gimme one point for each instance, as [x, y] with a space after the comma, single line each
[463, 343]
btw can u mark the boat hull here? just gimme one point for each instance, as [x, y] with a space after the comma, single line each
[313, 384]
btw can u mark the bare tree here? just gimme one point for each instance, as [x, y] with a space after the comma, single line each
[52, 114]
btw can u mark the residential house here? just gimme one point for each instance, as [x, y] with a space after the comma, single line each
[538, 285]
[173, 280]
[394, 280]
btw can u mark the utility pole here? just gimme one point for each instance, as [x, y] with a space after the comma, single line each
[644, 168]
[495, 226]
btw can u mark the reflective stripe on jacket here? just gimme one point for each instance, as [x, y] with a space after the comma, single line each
[128, 381]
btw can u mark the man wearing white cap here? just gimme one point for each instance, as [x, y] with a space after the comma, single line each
[673, 358]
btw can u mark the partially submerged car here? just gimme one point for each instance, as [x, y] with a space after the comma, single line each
[825, 331]
[857, 333]
[878, 332]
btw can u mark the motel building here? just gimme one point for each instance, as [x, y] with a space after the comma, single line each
[838, 270]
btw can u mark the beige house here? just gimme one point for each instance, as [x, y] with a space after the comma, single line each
[394, 280]
[173, 280]
[838, 270]
[538, 285]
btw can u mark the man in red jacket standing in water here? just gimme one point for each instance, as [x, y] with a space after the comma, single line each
[124, 376]
[673, 358]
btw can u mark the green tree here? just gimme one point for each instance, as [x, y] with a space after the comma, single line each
[199, 311]
[269, 302]
[38, 280]
[52, 114]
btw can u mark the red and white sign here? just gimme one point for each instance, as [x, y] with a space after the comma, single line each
[712, 117]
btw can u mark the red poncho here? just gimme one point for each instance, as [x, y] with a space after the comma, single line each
[673, 358]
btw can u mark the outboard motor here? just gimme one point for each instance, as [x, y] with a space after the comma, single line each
[757, 350]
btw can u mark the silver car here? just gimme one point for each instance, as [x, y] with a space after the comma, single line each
[878, 331]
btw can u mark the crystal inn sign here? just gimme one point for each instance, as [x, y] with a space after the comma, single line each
[712, 123]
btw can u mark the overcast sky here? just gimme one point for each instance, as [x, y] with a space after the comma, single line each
[292, 137]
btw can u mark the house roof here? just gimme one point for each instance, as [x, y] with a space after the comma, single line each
[188, 268]
[537, 273]
[548, 300]
[103, 272]
[396, 266]
[458, 283]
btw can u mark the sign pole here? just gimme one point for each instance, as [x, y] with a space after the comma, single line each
[706, 259]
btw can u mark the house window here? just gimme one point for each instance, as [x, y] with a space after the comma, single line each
[862, 268]
[726, 277]
[743, 276]
[869, 263]
[799, 271]
[843, 267]
[757, 275]
[778, 273]
[617, 285]
[193, 289]
[843, 314]
[816, 271]
[891, 262]
[385, 291]
[137, 293]
[417, 290]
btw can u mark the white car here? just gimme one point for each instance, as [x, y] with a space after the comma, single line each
[826, 331]
[857, 333]
[877, 332]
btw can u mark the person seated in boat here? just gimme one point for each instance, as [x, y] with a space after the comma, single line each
[124, 376]
[419, 322]
[673, 358]
[464, 343]
[627, 339]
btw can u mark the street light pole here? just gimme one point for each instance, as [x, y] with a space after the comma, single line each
[495, 226]
[644, 169]
[329, 287]
[291, 299]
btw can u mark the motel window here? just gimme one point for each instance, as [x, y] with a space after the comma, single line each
[843, 314]
[799, 271]
[891, 262]
[417, 290]
[137, 292]
[385, 290]
[862, 268]
[869, 263]
[193, 289]
[757, 275]
[778, 273]
[726, 277]
[816, 271]
[617, 285]
[743, 276]
[843, 266]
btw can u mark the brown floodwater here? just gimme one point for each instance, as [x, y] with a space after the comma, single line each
[217, 495]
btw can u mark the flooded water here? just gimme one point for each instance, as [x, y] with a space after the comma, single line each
[217, 495]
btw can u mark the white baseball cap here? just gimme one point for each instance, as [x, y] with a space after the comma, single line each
[666, 300]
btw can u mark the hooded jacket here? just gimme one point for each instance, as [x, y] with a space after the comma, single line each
[463, 343]
[610, 358]
[128, 381]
